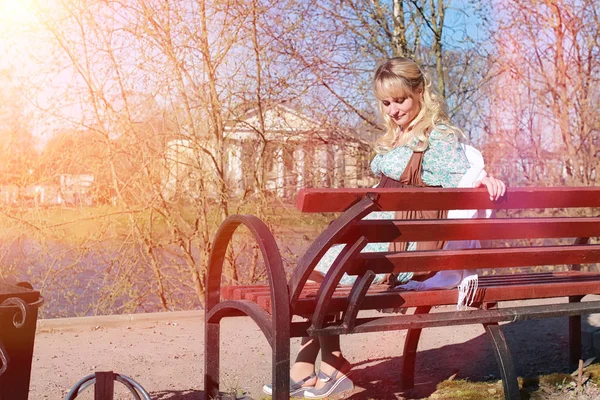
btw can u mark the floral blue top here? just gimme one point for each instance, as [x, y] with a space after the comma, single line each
[444, 164]
[444, 161]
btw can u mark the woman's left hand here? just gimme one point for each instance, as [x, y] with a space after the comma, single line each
[496, 188]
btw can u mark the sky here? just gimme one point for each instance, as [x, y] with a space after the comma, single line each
[462, 17]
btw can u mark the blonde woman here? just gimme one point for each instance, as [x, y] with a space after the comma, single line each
[420, 148]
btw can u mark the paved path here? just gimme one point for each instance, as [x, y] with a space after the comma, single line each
[163, 352]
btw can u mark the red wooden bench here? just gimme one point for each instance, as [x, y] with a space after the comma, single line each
[273, 306]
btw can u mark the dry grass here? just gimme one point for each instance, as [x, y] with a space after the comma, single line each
[557, 385]
[460, 389]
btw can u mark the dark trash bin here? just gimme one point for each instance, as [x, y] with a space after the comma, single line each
[18, 318]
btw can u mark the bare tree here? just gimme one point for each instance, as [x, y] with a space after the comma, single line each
[337, 45]
[547, 57]
[144, 98]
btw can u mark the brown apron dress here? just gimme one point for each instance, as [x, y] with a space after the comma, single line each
[411, 177]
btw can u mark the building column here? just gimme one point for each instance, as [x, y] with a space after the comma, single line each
[351, 159]
[279, 181]
[235, 167]
[338, 166]
[299, 162]
[321, 165]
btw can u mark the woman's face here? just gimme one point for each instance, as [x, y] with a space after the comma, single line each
[402, 110]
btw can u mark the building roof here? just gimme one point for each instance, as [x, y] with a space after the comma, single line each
[283, 122]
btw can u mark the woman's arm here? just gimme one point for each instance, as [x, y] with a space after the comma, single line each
[476, 175]
[444, 161]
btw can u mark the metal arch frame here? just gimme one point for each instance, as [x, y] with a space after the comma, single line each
[355, 298]
[329, 236]
[333, 277]
[135, 388]
[246, 307]
[277, 325]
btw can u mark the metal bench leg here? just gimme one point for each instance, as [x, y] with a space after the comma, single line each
[212, 342]
[574, 336]
[504, 359]
[281, 369]
[410, 352]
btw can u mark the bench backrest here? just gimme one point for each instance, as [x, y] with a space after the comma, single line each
[350, 229]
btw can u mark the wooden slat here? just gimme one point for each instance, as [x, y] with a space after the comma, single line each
[338, 200]
[248, 292]
[467, 229]
[474, 259]
[529, 286]
[492, 289]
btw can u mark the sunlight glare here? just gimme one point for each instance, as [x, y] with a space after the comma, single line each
[22, 32]
[16, 13]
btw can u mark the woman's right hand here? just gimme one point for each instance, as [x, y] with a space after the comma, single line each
[496, 188]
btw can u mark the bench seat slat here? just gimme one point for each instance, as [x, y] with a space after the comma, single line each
[474, 258]
[492, 289]
[234, 292]
[493, 294]
[467, 229]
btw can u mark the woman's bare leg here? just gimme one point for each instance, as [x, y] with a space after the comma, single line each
[331, 357]
[305, 360]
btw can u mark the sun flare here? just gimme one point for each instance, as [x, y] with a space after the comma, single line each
[16, 13]
[23, 33]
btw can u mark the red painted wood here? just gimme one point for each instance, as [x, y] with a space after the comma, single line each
[467, 229]
[338, 200]
[239, 292]
[492, 289]
[475, 258]
[252, 293]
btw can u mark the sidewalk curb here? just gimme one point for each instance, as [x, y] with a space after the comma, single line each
[117, 320]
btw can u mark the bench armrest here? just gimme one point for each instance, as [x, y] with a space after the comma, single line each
[271, 257]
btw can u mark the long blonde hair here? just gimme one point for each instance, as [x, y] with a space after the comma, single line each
[401, 77]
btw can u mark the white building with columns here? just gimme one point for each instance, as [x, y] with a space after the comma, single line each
[295, 150]
[298, 153]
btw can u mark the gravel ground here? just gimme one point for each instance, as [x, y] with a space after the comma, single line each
[163, 352]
